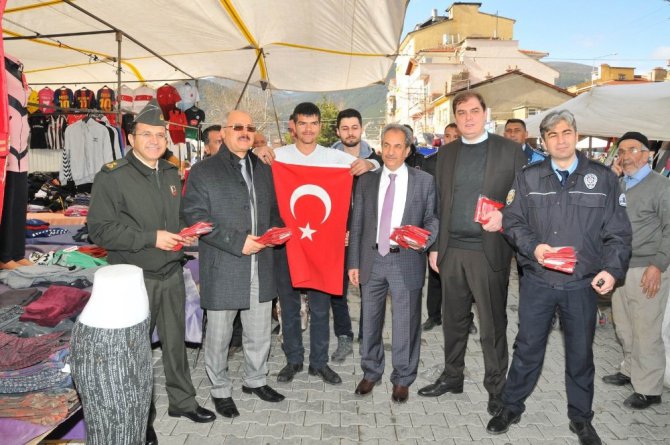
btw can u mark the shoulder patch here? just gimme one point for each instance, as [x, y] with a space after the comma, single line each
[111, 166]
[510, 197]
[590, 180]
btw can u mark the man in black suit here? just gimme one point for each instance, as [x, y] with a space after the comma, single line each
[473, 259]
[395, 196]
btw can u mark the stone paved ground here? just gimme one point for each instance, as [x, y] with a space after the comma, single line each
[314, 412]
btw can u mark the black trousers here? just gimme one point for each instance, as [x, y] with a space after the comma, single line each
[537, 304]
[467, 276]
[13, 225]
[434, 295]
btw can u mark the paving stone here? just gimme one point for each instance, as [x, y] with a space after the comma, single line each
[300, 431]
[326, 418]
[275, 431]
[231, 428]
[371, 432]
[350, 419]
[420, 434]
[340, 432]
[383, 420]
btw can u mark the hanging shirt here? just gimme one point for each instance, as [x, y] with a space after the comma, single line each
[64, 98]
[189, 96]
[33, 101]
[105, 98]
[126, 96]
[56, 132]
[87, 148]
[17, 97]
[167, 97]
[84, 99]
[46, 99]
[142, 96]
[177, 131]
[38, 131]
[194, 116]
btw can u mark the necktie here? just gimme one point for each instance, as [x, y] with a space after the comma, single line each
[246, 174]
[564, 176]
[384, 244]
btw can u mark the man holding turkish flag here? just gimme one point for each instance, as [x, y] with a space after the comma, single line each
[314, 199]
[314, 203]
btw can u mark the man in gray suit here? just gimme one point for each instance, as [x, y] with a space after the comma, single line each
[235, 192]
[394, 197]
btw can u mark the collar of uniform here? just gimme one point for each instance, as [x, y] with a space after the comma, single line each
[145, 169]
[582, 163]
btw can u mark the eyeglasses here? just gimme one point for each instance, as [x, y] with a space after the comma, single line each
[633, 151]
[240, 127]
[147, 135]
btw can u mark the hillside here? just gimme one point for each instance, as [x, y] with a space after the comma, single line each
[571, 73]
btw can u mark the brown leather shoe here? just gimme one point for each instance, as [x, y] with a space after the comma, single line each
[400, 393]
[365, 387]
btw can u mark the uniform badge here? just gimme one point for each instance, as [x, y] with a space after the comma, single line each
[622, 200]
[510, 197]
[173, 190]
[590, 181]
[111, 165]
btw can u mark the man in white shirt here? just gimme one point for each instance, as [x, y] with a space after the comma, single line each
[306, 151]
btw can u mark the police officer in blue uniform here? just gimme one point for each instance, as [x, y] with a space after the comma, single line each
[566, 200]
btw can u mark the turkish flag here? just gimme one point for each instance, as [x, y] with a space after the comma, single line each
[314, 203]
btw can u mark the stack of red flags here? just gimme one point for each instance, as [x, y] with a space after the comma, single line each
[484, 206]
[406, 235]
[562, 260]
[275, 236]
[197, 229]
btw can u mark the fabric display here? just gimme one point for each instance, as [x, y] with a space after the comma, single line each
[18, 353]
[45, 233]
[42, 259]
[85, 99]
[23, 277]
[177, 133]
[126, 98]
[94, 251]
[45, 408]
[17, 91]
[45, 97]
[189, 96]
[56, 304]
[33, 101]
[56, 131]
[64, 98]
[68, 258]
[47, 374]
[106, 98]
[9, 315]
[167, 97]
[76, 210]
[20, 297]
[36, 224]
[194, 117]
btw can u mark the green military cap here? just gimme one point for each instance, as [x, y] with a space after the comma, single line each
[151, 114]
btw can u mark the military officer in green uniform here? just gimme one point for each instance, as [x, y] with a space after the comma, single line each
[134, 214]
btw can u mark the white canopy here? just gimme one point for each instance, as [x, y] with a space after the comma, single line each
[306, 45]
[610, 111]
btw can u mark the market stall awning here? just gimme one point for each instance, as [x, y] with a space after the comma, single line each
[306, 46]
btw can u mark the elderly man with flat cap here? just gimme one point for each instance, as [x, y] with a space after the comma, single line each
[134, 214]
[639, 303]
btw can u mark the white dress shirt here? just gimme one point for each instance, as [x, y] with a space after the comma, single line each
[399, 197]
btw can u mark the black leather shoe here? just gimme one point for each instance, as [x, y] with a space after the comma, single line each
[495, 404]
[617, 379]
[640, 401]
[288, 372]
[225, 406]
[585, 433]
[441, 387]
[430, 324]
[264, 393]
[327, 374]
[500, 423]
[198, 415]
[151, 439]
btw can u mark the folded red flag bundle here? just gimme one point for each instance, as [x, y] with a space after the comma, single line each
[275, 236]
[405, 235]
[485, 205]
[563, 260]
[197, 229]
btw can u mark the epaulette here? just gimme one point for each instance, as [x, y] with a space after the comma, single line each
[111, 166]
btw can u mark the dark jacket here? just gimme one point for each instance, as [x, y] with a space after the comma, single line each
[587, 214]
[130, 202]
[216, 192]
[503, 160]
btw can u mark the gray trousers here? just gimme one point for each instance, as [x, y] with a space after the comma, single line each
[387, 276]
[255, 343]
[639, 321]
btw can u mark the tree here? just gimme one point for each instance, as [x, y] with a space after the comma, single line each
[329, 112]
